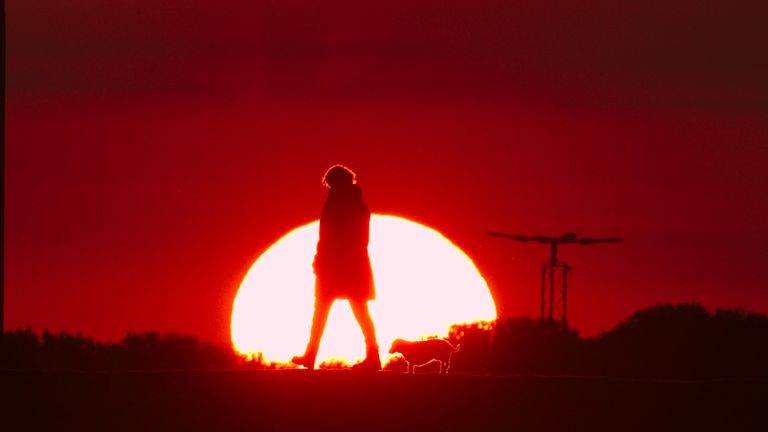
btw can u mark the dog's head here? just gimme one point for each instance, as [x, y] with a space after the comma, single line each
[397, 344]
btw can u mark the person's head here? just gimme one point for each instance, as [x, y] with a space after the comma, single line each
[338, 175]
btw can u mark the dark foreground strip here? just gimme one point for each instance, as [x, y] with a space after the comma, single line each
[344, 400]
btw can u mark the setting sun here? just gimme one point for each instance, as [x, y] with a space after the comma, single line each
[424, 284]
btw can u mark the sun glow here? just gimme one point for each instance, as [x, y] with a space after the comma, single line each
[424, 284]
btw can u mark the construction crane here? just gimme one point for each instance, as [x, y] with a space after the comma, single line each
[550, 269]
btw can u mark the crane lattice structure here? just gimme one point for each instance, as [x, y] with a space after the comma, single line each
[554, 274]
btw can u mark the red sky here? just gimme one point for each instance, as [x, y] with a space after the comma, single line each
[156, 148]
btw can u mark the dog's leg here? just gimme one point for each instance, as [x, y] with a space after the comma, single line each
[443, 367]
[411, 368]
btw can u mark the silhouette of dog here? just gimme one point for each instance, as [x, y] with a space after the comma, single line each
[419, 353]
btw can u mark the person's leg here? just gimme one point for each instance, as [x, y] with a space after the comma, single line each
[363, 317]
[319, 318]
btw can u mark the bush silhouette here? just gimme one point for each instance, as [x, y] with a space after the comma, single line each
[22, 349]
[516, 346]
[683, 341]
[475, 340]
[172, 351]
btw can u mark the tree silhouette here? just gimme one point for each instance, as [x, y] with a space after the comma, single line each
[686, 341]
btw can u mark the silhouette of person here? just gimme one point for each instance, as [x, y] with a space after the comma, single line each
[342, 266]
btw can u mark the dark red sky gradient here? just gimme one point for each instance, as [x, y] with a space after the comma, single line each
[156, 148]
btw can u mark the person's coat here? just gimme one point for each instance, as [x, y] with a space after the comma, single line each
[342, 266]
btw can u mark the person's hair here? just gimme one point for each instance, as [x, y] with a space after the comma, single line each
[338, 175]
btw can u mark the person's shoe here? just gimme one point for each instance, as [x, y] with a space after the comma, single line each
[372, 363]
[304, 360]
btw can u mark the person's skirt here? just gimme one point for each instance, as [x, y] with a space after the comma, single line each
[344, 277]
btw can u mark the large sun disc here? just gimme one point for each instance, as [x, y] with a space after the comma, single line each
[424, 284]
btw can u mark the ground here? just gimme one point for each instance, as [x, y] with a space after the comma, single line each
[345, 400]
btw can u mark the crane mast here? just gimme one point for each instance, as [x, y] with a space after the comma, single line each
[555, 272]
